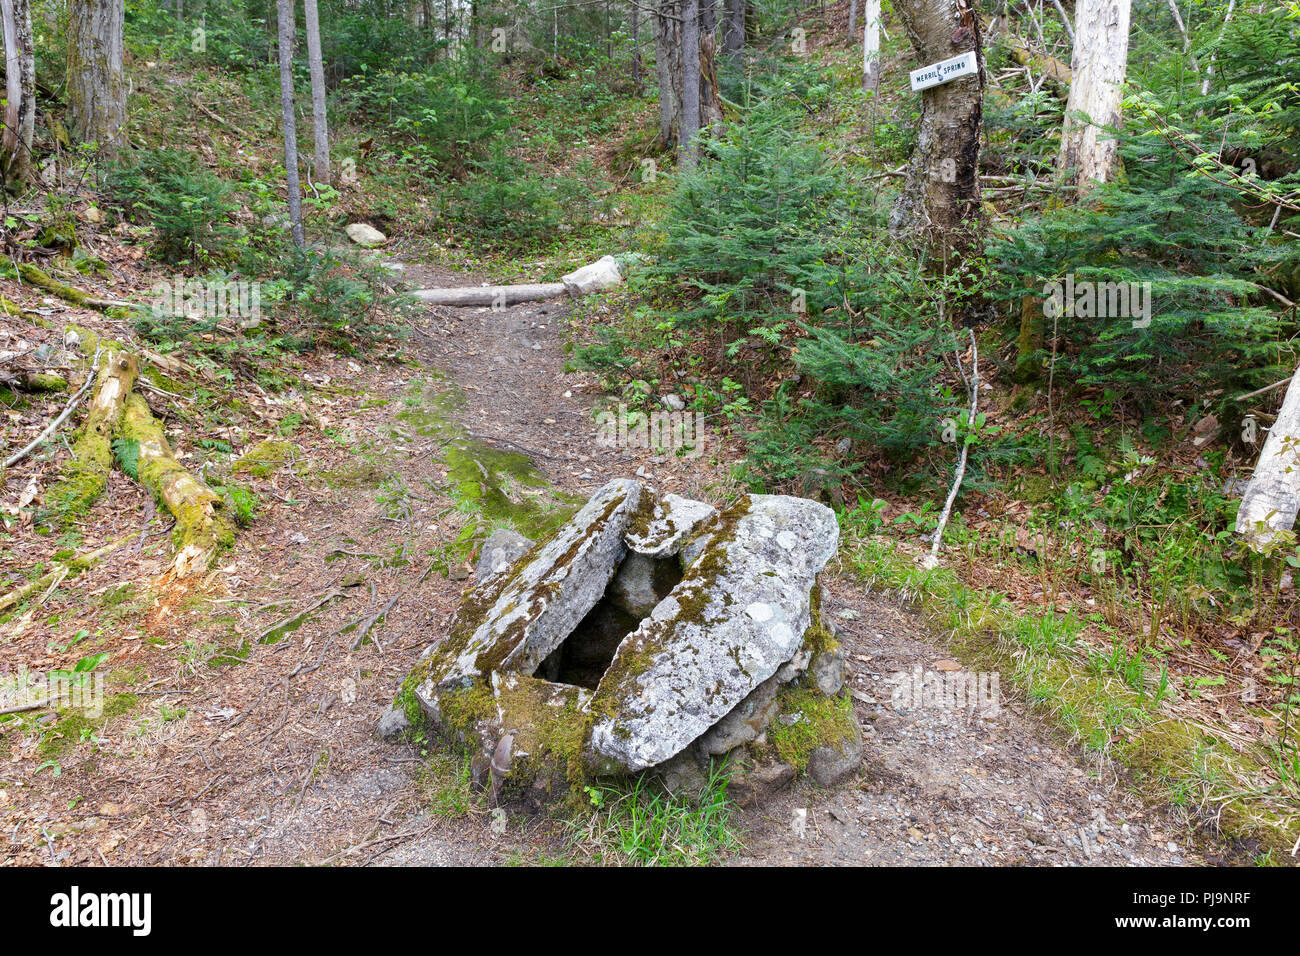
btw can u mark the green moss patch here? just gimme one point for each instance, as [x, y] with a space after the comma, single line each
[264, 458]
[807, 720]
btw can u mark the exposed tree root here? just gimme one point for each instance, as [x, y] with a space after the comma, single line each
[202, 526]
[59, 572]
[92, 457]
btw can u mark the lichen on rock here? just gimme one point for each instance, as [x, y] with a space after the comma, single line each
[597, 653]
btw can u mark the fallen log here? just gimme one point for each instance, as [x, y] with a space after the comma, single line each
[202, 526]
[601, 274]
[34, 276]
[56, 574]
[1272, 496]
[92, 456]
[27, 380]
[497, 295]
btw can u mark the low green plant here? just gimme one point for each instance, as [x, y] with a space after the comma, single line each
[644, 825]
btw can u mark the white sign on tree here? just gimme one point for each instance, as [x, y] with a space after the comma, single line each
[944, 71]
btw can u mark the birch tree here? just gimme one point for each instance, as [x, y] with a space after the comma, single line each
[285, 23]
[319, 118]
[871, 45]
[1089, 151]
[20, 94]
[96, 82]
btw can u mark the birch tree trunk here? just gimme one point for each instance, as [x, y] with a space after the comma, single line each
[1272, 497]
[871, 46]
[20, 93]
[319, 117]
[1209, 69]
[1089, 154]
[689, 124]
[96, 83]
[285, 22]
[940, 202]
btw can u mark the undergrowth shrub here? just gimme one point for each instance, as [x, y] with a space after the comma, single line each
[507, 206]
[190, 208]
[440, 119]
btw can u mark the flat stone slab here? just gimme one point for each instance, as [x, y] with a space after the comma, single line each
[532, 612]
[738, 614]
[671, 523]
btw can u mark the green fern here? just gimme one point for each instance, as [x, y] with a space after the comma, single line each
[127, 451]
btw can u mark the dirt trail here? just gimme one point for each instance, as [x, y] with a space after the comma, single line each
[276, 761]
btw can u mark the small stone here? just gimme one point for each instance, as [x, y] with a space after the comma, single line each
[364, 235]
[799, 822]
[601, 274]
[673, 403]
[827, 671]
[393, 723]
[831, 765]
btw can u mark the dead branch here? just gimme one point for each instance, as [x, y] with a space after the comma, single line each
[973, 385]
[50, 429]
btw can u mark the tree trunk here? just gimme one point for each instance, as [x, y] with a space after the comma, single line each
[96, 83]
[498, 295]
[853, 17]
[20, 93]
[668, 68]
[92, 454]
[319, 117]
[1089, 153]
[689, 124]
[710, 97]
[1272, 497]
[940, 201]
[708, 18]
[1209, 69]
[871, 46]
[635, 29]
[284, 18]
[733, 37]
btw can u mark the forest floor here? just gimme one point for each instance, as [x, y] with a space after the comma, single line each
[241, 719]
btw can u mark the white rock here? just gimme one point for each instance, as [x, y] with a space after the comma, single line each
[365, 235]
[601, 274]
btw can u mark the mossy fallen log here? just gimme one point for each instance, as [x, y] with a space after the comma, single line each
[61, 570]
[92, 455]
[42, 280]
[202, 526]
[26, 380]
